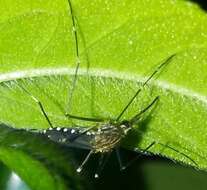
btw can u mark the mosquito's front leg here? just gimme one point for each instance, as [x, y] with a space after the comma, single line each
[123, 167]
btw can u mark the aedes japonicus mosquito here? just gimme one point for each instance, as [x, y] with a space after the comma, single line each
[105, 135]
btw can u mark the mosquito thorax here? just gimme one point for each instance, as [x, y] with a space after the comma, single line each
[108, 136]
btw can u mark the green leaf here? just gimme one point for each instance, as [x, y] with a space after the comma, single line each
[122, 43]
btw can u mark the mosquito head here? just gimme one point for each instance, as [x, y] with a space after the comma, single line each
[125, 126]
[126, 123]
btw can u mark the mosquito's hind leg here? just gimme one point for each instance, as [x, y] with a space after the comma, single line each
[74, 80]
[79, 169]
[39, 104]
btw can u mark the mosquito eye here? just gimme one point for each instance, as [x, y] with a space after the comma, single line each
[126, 124]
[123, 126]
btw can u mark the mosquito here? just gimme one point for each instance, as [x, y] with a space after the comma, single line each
[105, 135]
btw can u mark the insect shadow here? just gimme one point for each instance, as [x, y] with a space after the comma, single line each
[105, 135]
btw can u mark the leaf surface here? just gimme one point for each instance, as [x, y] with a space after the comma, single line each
[121, 44]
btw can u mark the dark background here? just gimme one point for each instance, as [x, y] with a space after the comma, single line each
[202, 3]
[148, 173]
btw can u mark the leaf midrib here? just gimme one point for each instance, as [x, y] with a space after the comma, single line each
[105, 73]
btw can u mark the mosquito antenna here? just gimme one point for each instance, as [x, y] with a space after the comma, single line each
[74, 80]
[144, 84]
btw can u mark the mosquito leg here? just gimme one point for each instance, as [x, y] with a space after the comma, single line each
[185, 155]
[166, 62]
[171, 148]
[129, 103]
[79, 169]
[102, 162]
[39, 104]
[137, 116]
[74, 80]
[84, 118]
[138, 156]
[119, 159]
